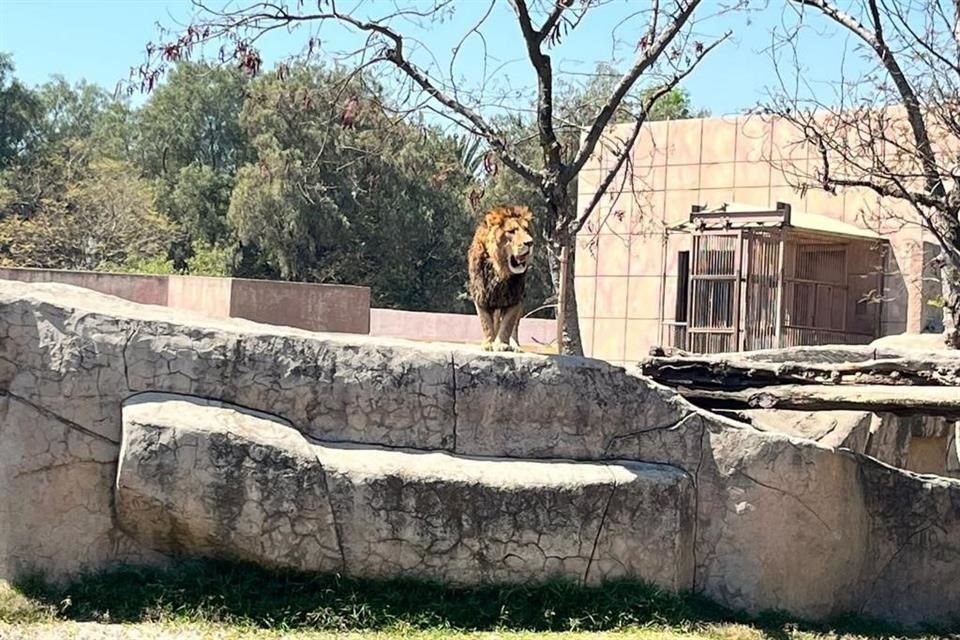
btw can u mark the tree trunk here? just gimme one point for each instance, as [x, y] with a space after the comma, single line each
[562, 257]
[568, 319]
[950, 283]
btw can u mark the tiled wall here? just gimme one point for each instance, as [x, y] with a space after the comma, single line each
[676, 164]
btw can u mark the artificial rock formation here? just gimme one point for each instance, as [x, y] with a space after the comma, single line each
[900, 407]
[211, 478]
[131, 433]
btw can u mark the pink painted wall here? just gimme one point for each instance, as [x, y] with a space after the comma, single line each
[144, 289]
[209, 296]
[314, 307]
[451, 327]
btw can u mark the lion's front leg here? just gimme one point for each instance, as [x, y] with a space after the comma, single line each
[508, 330]
[497, 344]
[488, 326]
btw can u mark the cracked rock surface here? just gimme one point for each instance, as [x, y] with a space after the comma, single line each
[201, 477]
[379, 457]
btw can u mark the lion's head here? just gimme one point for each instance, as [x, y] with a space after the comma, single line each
[509, 240]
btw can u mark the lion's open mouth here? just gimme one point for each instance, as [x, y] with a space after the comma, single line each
[519, 264]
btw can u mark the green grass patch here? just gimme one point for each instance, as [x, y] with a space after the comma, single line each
[18, 608]
[249, 597]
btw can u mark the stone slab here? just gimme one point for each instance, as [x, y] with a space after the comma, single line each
[201, 477]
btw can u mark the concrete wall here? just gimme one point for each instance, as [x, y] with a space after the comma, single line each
[136, 288]
[314, 307]
[928, 455]
[209, 296]
[677, 164]
[451, 327]
[770, 522]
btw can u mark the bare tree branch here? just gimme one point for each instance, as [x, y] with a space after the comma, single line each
[551, 22]
[919, 40]
[541, 64]
[956, 21]
[660, 43]
[395, 55]
[647, 57]
[911, 103]
[900, 137]
[626, 146]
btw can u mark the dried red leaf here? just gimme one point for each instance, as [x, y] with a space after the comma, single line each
[171, 52]
[490, 163]
[349, 113]
[475, 197]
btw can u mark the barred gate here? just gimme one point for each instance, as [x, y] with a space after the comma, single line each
[734, 296]
[764, 295]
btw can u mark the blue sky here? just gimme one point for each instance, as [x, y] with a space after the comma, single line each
[100, 40]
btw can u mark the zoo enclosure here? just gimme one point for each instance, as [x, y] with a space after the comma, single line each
[762, 279]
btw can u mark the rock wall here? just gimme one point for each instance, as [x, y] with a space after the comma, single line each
[923, 444]
[210, 477]
[383, 458]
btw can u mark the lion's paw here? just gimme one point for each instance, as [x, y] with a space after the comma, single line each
[496, 345]
[486, 345]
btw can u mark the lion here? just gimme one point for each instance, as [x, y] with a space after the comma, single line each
[497, 263]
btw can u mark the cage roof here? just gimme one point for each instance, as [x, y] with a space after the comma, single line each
[738, 215]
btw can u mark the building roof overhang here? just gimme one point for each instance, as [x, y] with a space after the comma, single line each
[733, 216]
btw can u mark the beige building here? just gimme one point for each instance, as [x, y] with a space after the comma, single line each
[703, 245]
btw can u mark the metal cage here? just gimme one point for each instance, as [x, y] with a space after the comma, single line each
[754, 280]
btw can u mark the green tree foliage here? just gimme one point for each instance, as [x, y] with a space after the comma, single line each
[299, 174]
[210, 260]
[20, 112]
[71, 112]
[365, 200]
[196, 198]
[75, 201]
[105, 215]
[192, 144]
[193, 119]
[72, 127]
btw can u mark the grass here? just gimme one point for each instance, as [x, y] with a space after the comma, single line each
[235, 600]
